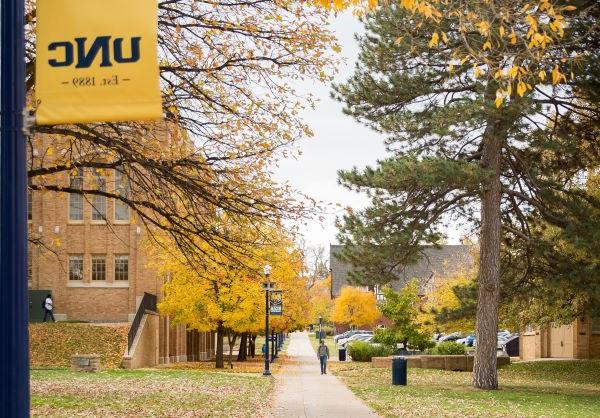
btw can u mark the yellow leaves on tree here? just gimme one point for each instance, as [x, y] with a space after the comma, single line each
[211, 289]
[321, 304]
[476, 35]
[287, 264]
[355, 307]
[443, 298]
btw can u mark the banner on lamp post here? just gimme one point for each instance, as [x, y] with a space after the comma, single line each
[96, 61]
[276, 302]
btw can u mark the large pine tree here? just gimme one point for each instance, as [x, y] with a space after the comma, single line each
[511, 169]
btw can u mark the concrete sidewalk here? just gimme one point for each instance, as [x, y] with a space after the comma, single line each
[304, 392]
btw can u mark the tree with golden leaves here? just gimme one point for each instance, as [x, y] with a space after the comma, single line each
[231, 111]
[441, 304]
[355, 307]
[321, 303]
[217, 293]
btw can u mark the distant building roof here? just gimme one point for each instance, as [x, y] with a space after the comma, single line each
[436, 263]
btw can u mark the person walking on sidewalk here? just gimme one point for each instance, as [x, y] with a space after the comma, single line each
[48, 306]
[323, 354]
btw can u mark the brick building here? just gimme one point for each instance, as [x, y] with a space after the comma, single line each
[88, 255]
[578, 340]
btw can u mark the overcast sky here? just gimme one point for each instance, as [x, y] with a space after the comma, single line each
[338, 143]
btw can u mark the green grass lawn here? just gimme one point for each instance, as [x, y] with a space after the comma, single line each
[151, 392]
[534, 389]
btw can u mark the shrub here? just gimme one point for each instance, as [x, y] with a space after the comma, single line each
[421, 341]
[328, 329]
[391, 338]
[386, 337]
[362, 351]
[447, 348]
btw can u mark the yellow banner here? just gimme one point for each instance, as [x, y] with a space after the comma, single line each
[96, 61]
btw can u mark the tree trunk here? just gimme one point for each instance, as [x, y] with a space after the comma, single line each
[219, 363]
[231, 339]
[243, 347]
[253, 345]
[485, 375]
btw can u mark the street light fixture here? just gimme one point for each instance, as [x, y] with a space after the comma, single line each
[267, 287]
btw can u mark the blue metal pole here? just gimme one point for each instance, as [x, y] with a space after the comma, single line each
[267, 372]
[14, 346]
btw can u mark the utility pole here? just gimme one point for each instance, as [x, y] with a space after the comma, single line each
[14, 346]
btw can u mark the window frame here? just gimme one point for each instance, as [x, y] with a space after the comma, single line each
[100, 185]
[97, 257]
[119, 177]
[80, 175]
[118, 273]
[82, 271]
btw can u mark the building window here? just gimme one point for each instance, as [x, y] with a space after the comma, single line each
[121, 188]
[98, 267]
[99, 202]
[76, 199]
[76, 267]
[121, 267]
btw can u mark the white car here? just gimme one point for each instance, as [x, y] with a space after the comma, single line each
[349, 334]
[355, 337]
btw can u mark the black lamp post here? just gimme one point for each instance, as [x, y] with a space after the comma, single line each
[14, 308]
[320, 329]
[267, 286]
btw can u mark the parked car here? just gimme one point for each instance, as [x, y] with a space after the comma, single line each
[511, 346]
[342, 341]
[451, 337]
[359, 337]
[342, 335]
[355, 337]
[350, 333]
[503, 338]
[467, 341]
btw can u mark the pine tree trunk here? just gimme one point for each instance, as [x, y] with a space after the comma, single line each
[485, 375]
[243, 347]
[219, 363]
